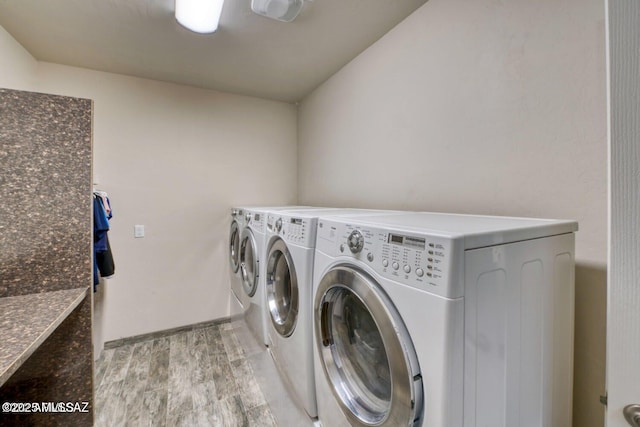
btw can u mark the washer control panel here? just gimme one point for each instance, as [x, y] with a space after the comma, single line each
[297, 230]
[355, 240]
[420, 260]
[255, 220]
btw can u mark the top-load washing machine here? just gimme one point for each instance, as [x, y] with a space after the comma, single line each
[288, 277]
[440, 320]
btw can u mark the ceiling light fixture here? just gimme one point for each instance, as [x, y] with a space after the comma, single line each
[200, 16]
[281, 10]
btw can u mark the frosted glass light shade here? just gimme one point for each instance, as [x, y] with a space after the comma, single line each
[200, 16]
[282, 10]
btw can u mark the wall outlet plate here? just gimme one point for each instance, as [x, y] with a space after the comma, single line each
[138, 231]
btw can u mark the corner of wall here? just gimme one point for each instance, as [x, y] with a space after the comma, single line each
[19, 67]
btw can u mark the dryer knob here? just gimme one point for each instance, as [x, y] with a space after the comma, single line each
[278, 225]
[247, 217]
[355, 241]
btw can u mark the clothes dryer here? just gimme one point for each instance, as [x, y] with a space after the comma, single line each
[443, 320]
[288, 277]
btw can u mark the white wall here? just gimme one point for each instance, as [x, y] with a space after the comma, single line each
[176, 159]
[17, 66]
[172, 158]
[482, 107]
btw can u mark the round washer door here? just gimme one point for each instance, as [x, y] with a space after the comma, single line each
[234, 246]
[249, 262]
[282, 289]
[366, 352]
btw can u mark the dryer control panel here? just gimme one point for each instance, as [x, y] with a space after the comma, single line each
[294, 229]
[425, 261]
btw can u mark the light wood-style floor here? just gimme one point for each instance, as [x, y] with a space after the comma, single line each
[198, 377]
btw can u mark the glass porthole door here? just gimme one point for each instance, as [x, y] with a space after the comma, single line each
[234, 247]
[282, 289]
[366, 353]
[248, 262]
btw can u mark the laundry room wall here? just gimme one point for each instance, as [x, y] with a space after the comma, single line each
[479, 107]
[17, 67]
[176, 159]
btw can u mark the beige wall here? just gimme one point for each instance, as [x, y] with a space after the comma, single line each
[480, 107]
[17, 66]
[175, 159]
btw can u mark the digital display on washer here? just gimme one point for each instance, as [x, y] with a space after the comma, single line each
[394, 238]
[296, 221]
[413, 242]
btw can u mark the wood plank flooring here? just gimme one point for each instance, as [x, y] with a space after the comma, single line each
[198, 377]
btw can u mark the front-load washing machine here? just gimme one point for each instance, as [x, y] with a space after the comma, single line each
[251, 253]
[251, 248]
[236, 306]
[288, 277]
[440, 320]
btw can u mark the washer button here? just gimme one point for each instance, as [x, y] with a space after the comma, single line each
[342, 248]
[419, 272]
[370, 257]
[395, 265]
[385, 263]
[407, 269]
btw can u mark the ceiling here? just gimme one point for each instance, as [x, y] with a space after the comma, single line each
[248, 54]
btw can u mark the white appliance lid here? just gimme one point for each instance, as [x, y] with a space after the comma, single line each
[476, 230]
[335, 212]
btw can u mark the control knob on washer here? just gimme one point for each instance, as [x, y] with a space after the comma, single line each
[355, 241]
[278, 225]
[247, 217]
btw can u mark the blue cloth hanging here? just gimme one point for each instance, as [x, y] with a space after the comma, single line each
[102, 258]
[100, 226]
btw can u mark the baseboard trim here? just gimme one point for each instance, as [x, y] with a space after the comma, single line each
[164, 333]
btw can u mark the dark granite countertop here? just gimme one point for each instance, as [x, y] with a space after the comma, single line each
[26, 321]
